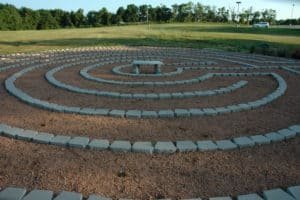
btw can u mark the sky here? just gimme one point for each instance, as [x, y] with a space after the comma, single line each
[283, 7]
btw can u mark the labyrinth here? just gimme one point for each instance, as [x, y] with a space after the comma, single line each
[208, 123]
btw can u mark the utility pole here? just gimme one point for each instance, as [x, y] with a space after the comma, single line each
[148, 17]
[292, 15]
[238, 13]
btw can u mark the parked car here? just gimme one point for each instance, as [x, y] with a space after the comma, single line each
[261, 25]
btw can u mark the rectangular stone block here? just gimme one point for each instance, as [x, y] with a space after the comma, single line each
[117, 113]
[11, 132]
[274, 137]
[244, 142]
[249, 197]
[186, 146]
[225, 145]
[149, 114]
[11, 193]
[182, 113]
[98, 144]
[69, 196]
[26, 135]
[166, 113]
[165, 95]
[222, 110]
[165, 147]
[60, 140]
[196, 112]
[133, 114]
[295, 128]
[294, 191]
[101, 111]
[220, 198]
[79, 142]
[287, 133]
[43, 138]
[277, 194]
[39, 195]
[143, 147]
[206, 145]
[210, 111]
[120, 146]
[260, 139]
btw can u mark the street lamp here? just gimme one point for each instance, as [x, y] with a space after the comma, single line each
[238, 12]
[292, 13]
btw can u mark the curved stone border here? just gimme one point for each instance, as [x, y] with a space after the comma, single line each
[164, 147]
[291, 70]
[178, 112]
[118, 70]
[188, 94]
[14, 193]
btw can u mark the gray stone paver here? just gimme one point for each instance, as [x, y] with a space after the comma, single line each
[287, 133]
[260, 139]
[79, 142]
[60, 140]
[182, 113]
[149, 114]
[166, 113]
[196, 112]
[133, 114]
[220, 198]
[274, 137]
[243, 142]
[43, 138]
[165, 147]
[295, 128]
[277, 194]
[26, 135]
[120, 146]
[11, 193]
[206, 145]
[226, 145]
[69, 196]
[98, 144]
[39, 195]
[186, 146]
[294, 191]
[143, 147]
[117, 113]
[249, 197]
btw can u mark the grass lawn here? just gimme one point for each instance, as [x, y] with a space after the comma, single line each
[184, 35]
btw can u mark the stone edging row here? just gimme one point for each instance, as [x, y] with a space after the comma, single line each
[118, 69]
[189, 94]
[282, 86]
[291, 70]
[14, 193]
[163, 147]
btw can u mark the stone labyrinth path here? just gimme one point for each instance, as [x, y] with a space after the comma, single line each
[203, 100]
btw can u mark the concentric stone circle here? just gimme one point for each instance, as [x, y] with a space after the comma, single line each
[92, 61]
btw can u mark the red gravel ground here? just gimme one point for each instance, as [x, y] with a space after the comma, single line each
[177, 176]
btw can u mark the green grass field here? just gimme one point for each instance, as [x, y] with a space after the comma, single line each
[182, 35]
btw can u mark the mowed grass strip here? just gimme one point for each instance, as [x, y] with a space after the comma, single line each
[193, 35]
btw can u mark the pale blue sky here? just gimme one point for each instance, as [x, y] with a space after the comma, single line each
[283, 7]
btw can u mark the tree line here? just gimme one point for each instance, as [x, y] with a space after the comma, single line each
[12, 18]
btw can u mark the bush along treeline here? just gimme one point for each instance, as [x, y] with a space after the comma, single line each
[12, 18]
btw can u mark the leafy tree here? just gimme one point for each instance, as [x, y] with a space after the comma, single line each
[30, 18]
[131, 13]
[47, 21]
[104, 16]
[10, 18]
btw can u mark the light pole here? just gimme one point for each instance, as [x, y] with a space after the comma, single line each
[292, 13]
[148, 17]
[238, 12]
